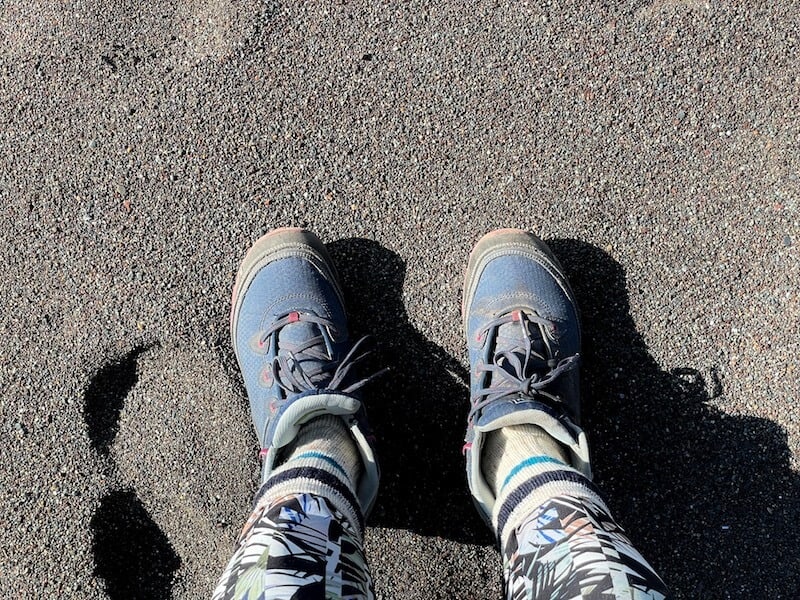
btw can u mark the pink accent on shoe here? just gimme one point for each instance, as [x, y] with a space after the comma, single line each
[467, 446]
[294, 317]
[263, 453]
[516, 316]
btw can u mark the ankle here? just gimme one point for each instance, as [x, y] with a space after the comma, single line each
[324, 442]
[509, 451]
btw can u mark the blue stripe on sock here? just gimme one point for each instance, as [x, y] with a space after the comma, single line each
[322, 457]
[529, 462]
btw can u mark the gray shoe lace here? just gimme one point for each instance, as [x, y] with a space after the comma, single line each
[520, 371]
[291, 369]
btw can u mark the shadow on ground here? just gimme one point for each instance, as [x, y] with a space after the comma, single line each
[418, 409]
[708, 497]
[104, 398]
[132, 555]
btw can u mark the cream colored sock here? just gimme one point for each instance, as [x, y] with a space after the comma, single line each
[506, 448]
[325, 443]
[322, 460]
[525, 467]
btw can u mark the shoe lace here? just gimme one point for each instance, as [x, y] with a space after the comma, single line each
[520, 370]
[308, 365]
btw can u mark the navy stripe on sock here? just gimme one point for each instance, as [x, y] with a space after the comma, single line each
[318, 475]
[532, 484]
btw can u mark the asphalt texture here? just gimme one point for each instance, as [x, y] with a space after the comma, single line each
[145, 146]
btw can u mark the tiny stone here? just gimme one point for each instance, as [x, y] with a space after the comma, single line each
[787, 241]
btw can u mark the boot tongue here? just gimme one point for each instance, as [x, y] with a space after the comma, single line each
[512, 338]
[294, 336]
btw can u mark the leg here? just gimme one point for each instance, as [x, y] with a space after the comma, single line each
[527, 458]
[572, 548]
[299, 546]
[319, 473]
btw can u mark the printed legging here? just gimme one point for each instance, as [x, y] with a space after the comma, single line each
[302, 548]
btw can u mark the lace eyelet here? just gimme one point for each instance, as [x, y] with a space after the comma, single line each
[266, 376]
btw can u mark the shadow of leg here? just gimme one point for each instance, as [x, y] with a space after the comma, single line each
[132, 555]
[418, 410]
[104, 398]
[708, 497]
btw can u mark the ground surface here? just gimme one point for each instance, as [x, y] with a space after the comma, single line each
[144, 146]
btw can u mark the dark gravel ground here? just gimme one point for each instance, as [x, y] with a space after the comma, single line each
[144, 146]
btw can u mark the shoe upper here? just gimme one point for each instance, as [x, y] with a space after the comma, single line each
[291, 328]
[290, 337]
[523, 337]
[523, 331]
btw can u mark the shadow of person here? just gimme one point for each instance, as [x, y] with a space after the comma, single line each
[708, 497]
[132, 556]
[418, 409]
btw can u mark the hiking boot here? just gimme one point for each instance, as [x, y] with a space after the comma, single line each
[290, 337]
[523, 336]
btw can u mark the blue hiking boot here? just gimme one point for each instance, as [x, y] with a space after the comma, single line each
[523, 336]
[290, 337]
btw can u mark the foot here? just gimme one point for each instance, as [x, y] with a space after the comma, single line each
[290, 337]
[523, 335]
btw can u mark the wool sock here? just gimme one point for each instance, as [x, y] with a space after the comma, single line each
[525, 466]
[322, 460]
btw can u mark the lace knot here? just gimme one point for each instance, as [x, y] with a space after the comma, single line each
[522, 366]
[310, 364]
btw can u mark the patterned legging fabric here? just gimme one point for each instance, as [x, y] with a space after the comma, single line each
[299, 547]
[303, 549]
[572, 548]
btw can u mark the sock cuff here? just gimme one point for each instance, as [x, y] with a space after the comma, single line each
[320, 482]
[517, 504]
